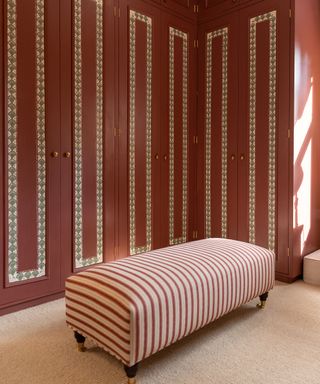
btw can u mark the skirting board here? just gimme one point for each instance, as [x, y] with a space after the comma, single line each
[286, 278]
[30, 303]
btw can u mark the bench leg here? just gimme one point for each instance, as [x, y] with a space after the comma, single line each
[263, 299]
[80, 340]
[131, 373]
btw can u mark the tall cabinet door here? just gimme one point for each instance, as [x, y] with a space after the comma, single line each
[263, 132]
[178, 130]
[87, 163]
[139, 126]
[218, 128]
[30, 164]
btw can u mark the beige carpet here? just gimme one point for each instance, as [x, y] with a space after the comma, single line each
[278, 345]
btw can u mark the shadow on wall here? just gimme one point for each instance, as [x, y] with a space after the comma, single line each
[306, 157]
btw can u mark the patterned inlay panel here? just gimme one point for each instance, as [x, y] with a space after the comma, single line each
[80, 261]
[271, 17]
[12, 131]
[173, 33]
[136, 16]
[224, 130]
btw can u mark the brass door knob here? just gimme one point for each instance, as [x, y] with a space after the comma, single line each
[233, 157]
[156, 156]
[165, 157]
[242, 157]
[55, 154]
[67, 154]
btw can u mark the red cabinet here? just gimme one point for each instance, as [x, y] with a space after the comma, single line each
[155, 148]
[58, 145]
[30, 182]
[256, 163]
[136, 124]
[244, 112]
[218, 128]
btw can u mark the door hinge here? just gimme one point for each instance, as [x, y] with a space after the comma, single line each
[288, 252]
[195, 139]
[196, 8]
[196, 43]
[195, 234]
[290, 13]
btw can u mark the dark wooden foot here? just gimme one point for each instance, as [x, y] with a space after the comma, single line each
[263, 299]
[80, 341]
[131, 373]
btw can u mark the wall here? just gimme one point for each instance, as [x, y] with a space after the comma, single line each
[306, 123]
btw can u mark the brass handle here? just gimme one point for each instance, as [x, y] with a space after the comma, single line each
[233, 157]
[242, 157]
[156, 156]
[55, 154]
[67, 154]
[165, 157]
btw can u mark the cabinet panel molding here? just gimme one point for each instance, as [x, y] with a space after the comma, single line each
[210, 36]
[82, 183]
[173, 99]
[15, 181]
[134, 18]
[270, 17]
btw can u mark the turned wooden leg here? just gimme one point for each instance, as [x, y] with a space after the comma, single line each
[263, 299]
[80, 340]
[131, 373]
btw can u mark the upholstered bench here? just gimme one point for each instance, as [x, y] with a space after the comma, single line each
[138, 305]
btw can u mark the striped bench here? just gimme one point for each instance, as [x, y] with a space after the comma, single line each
[137, 306]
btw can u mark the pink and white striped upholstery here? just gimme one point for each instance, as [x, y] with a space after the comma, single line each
[137, 306]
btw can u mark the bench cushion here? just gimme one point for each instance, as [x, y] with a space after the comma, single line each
[138, 305]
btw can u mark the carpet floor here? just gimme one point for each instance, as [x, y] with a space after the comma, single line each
[280, 345]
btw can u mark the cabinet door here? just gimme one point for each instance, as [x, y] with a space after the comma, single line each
[30, 255]
[177, 130]
[263, 139]
[87, 133]
[218, 123]
[139, 147]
